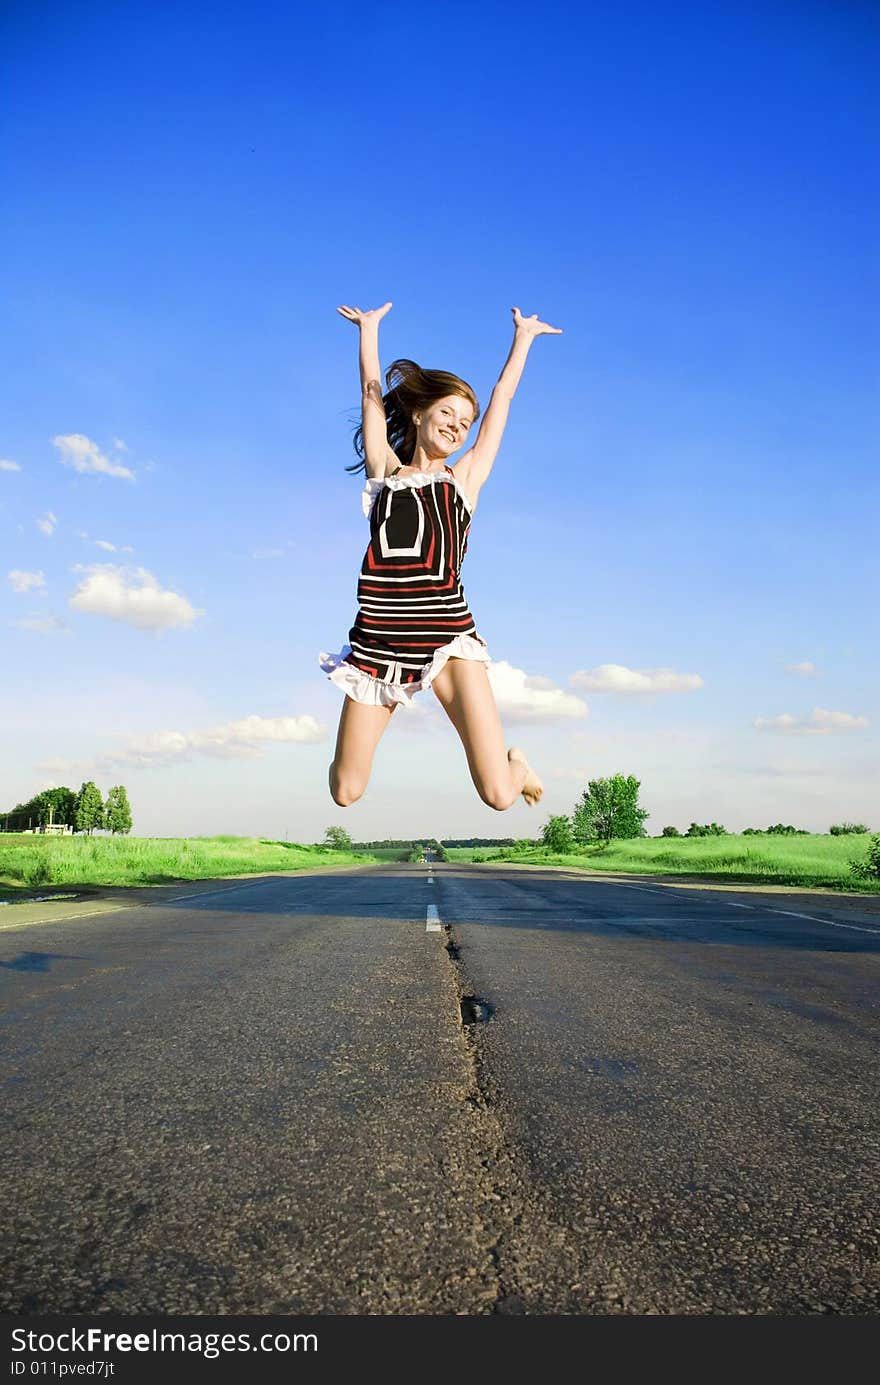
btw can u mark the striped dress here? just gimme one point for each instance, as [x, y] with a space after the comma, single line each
[412, 612]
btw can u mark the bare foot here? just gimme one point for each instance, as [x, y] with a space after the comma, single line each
[532, 789]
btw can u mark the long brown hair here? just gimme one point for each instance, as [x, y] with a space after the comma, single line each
[410, 388]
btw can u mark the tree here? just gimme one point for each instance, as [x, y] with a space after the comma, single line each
[706, 829]
[869, 868]
[26, 817]
[56, 806]
[609, 808]
[338, 838]
[843, 829]
[117, 811]
[670, 832]
[89, 808]
[556, 834]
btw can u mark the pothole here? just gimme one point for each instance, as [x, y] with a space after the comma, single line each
[474, 1010]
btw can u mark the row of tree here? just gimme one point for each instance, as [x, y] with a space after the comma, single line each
[714, 829]
[779, 829]
[609, 809]
[391, 842]
[82, 812]
[339, 840]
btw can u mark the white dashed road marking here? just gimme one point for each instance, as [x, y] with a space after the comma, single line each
[432, 923]
[203, 894]
[856, 928]
[827, 922]
[646, 889]
[59, 918]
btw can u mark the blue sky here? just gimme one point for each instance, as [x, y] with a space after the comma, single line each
[688, 481]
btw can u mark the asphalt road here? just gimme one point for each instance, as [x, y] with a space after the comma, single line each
[441, 1089]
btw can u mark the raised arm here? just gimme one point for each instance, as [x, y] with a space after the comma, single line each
[377, 451]
[476, 464]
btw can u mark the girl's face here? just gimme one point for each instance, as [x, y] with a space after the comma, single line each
[444, 426]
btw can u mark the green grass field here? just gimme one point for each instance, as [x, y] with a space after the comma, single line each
[819, 861]
[27, 862]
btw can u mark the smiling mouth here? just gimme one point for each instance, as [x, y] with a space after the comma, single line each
[447, 435]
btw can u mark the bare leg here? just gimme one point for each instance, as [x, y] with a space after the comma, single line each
[360, 730]
[500, 776]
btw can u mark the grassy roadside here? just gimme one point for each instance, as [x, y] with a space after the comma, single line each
[819, 861]
[27, 862]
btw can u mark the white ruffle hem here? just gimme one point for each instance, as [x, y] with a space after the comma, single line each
[375, 484]
[363, 687]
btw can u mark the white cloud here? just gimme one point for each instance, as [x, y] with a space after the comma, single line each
[131, 596]
[629, 682]
[234, 740]
[834, 721]
[82, 454]
[24, 581]
[105, 543]
[57, 765]
[530, 697]
[44, 625]
[47, 523]
[6, 465]
[583, 773]
[119, 444]
[804, 670]
[418, 716]
[821, 722]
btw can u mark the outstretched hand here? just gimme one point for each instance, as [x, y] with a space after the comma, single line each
[362, 315]
[531, 325]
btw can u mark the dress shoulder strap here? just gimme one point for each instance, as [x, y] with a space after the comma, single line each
[399, 467]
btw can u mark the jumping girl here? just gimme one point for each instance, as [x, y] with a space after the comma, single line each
[413, 629]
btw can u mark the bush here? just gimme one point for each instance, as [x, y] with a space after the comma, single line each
[670, 832]
[869, 868]
[478, 858]
[556, 833]
[338, 839]
[844, 829]
[38, 871]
